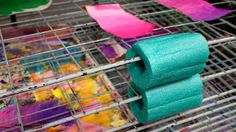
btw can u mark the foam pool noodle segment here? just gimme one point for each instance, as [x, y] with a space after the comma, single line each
[167, 100]
[166, 59]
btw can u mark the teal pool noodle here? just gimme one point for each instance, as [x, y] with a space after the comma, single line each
[165, 100]
[167, 58]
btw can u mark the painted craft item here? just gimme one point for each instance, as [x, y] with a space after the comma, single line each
[10, 7]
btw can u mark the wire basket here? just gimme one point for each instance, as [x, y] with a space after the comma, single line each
[78, 39]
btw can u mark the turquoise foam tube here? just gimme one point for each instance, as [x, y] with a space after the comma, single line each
[168, 99]
[167, 58]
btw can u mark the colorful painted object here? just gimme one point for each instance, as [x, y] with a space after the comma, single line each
[93, 92]
[17, 76]
[88, 127]
[115, 20]
[62, 31]
[17, 50]
[20, 34]
[69, 68]
[44, 71]
[115, 50]
[127, 43]
[9, 7]
[85, 88]
[197, 10]
[112, 50]
[107, 118]
[8, 114]
[40, 73]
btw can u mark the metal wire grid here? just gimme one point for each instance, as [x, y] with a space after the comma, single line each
[218, 91]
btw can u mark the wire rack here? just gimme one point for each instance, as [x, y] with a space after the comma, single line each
[218, 112]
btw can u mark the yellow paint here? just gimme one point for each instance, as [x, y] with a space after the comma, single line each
[58, 94]
[43, 94]
[117, 119]
[69, 68]
[103, 118]
[118, 123]
[85, 89]
[105, 99]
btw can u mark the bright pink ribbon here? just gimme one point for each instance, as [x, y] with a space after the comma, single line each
[198, 10]
[115, 20]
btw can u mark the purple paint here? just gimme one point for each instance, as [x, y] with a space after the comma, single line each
[108, 50]
[198, 10]
[44, 110]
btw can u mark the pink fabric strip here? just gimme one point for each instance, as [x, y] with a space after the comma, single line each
[115, 20]
[198, 10]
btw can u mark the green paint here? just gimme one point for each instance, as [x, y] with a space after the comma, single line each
[8, 7]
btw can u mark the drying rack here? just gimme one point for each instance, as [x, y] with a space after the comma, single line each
[218, 112]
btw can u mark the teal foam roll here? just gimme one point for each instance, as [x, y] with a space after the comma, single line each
[167, 58]
[163, 101]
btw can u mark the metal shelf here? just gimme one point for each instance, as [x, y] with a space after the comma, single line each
[219, 74]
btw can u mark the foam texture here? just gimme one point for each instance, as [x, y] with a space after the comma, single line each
[166, 100]
[167, 58]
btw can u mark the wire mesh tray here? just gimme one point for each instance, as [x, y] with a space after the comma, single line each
[72, 24]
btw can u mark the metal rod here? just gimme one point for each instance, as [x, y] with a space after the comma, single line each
[98, 69]
[61, 121]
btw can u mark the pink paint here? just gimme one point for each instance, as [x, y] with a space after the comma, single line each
[89, 127]
[92, 106]
[198, 10]
[53, 43]
[115, 20]
[8, 117]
